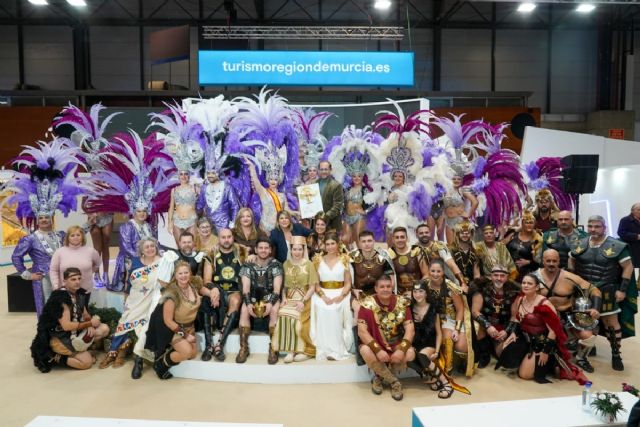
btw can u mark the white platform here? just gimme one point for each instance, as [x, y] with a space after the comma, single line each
[258, 342]
[47, 421]
[552, 412]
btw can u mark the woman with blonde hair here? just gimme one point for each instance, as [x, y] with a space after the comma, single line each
[245, 231]
[171, 334]
[292, 328]
[75, 253]
[206, 239]
[525, 246]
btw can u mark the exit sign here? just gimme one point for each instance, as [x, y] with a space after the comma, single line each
[616, 133]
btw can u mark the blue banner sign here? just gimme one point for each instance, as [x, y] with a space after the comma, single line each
[296, 68]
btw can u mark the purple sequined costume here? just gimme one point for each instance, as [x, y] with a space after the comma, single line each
[219, 203]
[129, 237]
[31, 245]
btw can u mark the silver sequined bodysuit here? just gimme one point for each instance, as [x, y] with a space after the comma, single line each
[185, 196]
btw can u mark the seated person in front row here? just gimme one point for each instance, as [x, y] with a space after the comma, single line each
[261, 286]
[385, 328]
[65, 328]
[171, 335]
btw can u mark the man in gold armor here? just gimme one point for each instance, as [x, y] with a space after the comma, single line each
[385, 327]
[409, 262]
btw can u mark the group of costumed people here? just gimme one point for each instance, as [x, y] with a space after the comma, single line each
[516, 279]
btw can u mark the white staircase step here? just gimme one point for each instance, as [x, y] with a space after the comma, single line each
[258, 342]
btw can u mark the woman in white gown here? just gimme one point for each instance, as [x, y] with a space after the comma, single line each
[331, 318]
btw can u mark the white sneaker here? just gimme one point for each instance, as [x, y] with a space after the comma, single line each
[289, 358]
[301, 357]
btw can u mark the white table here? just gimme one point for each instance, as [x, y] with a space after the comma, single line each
[47, 421]
[551, 412]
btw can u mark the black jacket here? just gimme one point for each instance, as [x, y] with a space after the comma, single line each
[280, 244]
[628, 231]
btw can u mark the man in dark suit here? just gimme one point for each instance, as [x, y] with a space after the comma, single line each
[332, 197]
[629, 232]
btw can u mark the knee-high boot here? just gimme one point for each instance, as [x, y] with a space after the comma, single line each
[540, 372]
[163, 364]
[448, 354]
[582, 354]
[243, 353]
[382, 372]
[272, 359]
[615, 338]
[206, 354]
[229, 324]
[484, 352]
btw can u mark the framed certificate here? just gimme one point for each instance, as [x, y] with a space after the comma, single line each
[310, 200]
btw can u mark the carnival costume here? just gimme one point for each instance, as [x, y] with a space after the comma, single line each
[532, 330]
[160, 338]
[495, 311]
[331, 325]
[498, 255]
[494, 178]
[354, 153]
[89, 137]
[407, 267]
[265, 130]
[52, 344]
[135, 175]
[292, 329]
[367, 270]
[545, 178]
[226, 278]
[426, 174]
[465, 259]
[45, 182]
[530, 250]
[312, 143]
[261, 293]
[447, 312]
[554, 239]
[600, 265]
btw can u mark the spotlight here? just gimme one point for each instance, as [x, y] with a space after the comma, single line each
[39, 2]
[382, 4]
[77, 3]
[585, 8]
[526, 7]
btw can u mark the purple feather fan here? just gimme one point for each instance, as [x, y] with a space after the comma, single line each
[336, 141]
[398, 124]
[551, 170]
[376, 222]
[460, 134]
[420, 203]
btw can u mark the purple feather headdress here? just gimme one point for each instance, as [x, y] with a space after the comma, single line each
[498, 177]
[45, 181]
[185, 140]
[308, 125]
[397, 123]
[546, 173]
[461, 135]
[135, 175]
[89, 132]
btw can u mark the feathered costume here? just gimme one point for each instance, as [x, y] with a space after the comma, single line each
[184, 139]
[494, 177]
[354, 152]
[312, 143]
[134, 175]
[546, 174]
[89, 132]
[264, 129]
[425, 171]
[45, 182]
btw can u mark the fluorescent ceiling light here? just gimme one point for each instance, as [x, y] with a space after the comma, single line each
[77, 3]
[585, 8]
[526, 7]
[382, 4]
[39, 2]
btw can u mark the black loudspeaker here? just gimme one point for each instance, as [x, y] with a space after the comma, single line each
[521, 121]
[19, 294]
[580, 174]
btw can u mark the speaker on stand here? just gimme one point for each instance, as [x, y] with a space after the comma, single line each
[580, 176]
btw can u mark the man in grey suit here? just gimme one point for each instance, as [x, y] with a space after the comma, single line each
[332, 197]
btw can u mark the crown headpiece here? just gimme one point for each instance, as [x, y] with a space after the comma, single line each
[272, 162]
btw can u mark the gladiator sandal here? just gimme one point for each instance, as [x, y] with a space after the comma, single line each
[163, 364]
[584, 347]
[615, 338]
[218, 349]
[243, 353]
[138, 365]
[206, 353]
[272, 359]
[448, 355]
[122, 353]
[109, 358]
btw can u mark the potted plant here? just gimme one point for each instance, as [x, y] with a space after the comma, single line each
[607, 405]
